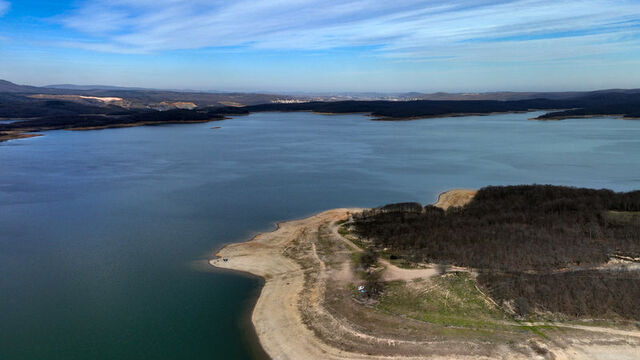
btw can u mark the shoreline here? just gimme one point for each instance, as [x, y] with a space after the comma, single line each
[8, 135]
[577, 117]
[248, 326]
[34, 132]
[452, 115]
[251, 336]
[27, 132]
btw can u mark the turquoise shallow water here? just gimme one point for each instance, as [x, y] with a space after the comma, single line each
[104, 234]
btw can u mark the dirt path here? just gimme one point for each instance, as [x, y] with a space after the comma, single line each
[392, 272]
[598, 329]
[455, 197]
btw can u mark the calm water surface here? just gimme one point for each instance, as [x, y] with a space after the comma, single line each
[104, 234]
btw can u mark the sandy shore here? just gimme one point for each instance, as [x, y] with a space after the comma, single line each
[306, 312]
[14, 135]
[455, 197]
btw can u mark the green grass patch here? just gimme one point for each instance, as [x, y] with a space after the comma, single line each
[355, 258]
[623, 217]
[344, 231]
[450, 300]
[537, 329]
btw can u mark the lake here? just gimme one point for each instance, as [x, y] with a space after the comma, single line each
[104, 235]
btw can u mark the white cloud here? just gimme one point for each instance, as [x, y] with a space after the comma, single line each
[4, 7]
[402, 28]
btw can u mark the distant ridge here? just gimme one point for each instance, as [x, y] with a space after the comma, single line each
[8, 86]
[92, 87]
[109, 90]
[33, 101]
[126, 88]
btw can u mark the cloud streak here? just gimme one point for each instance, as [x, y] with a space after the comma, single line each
[4, 7]
[464, 29]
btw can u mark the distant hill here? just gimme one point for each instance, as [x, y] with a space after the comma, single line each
[145, 96]
[511, 96]
[444, 96]
[91, 87]
[110, 87]
[502, 96]
[9, 87]
[137, 98]
[19, 106]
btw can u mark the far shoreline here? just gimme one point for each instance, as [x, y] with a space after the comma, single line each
[28, 132]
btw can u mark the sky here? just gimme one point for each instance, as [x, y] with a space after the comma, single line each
[324, 46]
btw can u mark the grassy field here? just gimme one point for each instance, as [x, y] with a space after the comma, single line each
[623, 217]
[344, 231]
[450, 300]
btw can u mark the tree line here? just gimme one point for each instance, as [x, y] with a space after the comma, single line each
[513, 228]
[523, 239]
[575, 293]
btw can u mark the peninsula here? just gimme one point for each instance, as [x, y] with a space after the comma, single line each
[337, 289]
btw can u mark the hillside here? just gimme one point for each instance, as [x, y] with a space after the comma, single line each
[141, 98]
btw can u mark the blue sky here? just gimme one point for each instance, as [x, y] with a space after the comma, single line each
[324, 46]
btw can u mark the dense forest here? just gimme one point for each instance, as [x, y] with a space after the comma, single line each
[575, 293]
[596, 103]
[116, 117]
[414, 109]
[110, 120]
[600, 103]
[523, 239]
[512, 228]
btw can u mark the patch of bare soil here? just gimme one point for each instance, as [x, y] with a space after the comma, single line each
[455, 198]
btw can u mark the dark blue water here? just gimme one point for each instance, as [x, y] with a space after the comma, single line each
[104, 234]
